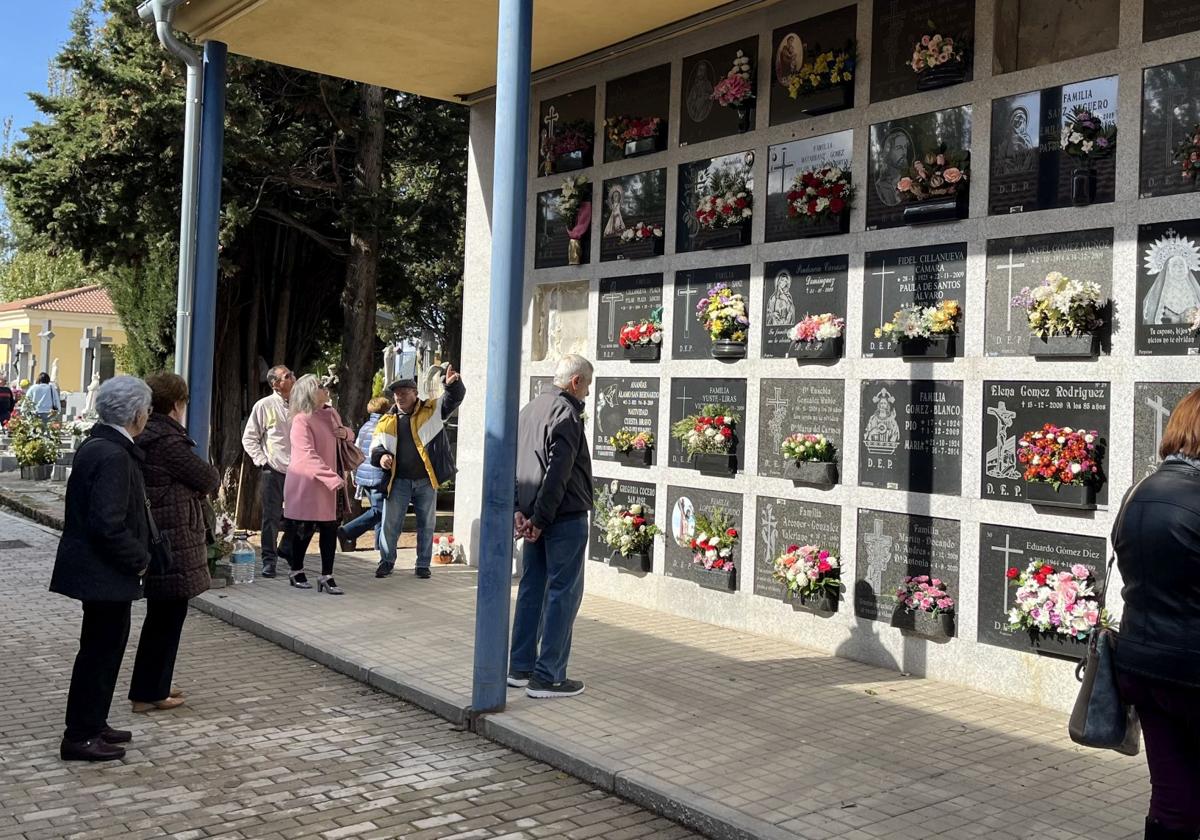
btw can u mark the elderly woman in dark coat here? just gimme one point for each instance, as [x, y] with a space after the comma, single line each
[177, 481]
[103, 553]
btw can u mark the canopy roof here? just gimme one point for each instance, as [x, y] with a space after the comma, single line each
[440, 48]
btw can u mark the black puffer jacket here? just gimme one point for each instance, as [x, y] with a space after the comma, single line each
[1157, 540]
[554, 464]
[177, 479]
[105, 545]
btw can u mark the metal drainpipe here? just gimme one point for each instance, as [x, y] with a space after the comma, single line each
[162, 13]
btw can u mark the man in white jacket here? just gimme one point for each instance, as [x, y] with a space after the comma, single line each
[267, 440]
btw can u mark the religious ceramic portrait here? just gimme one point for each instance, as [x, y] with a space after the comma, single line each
[683, 522]
[1173, 298]
[789, 57]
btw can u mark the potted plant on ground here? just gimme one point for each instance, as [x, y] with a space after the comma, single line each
[1187, 157]
[724, 211]
[633, 136]
[642, 340]
[1061, 466]
[925, 607]
[36, 457]
[819, 201]
[935, 188]
[818, 337]
[221, 537]
[713, 544]
[640, 241]
[723, 313]
[925, 331]
[810, 459]
[810, 577]
[1057, 608]
[826, 83]
[1086, 136]
[1064, 317]
[575, 209]
[635, 449]
[736, 90]
[938, 60]
[630, 535]
[708, 440]
[571, 145]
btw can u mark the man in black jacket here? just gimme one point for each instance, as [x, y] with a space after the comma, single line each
[554, 498]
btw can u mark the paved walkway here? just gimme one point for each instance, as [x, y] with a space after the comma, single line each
[269, 747]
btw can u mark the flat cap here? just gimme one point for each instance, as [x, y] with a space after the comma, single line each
[402, 383]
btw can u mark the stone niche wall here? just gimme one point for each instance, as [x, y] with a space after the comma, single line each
[925, 447]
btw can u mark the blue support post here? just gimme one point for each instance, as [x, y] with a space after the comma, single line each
[488, 690]
[208, 223]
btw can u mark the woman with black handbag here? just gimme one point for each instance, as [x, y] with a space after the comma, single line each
[1157, 542]
[177, 482]
[102, 555]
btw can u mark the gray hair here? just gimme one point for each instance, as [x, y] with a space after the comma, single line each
[304, 395]
[273, 374]
[569, 367]
[121, 399]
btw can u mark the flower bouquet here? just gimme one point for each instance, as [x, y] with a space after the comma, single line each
[723, 313]
[641, 240]
[642, 340]
[810, 575]
[736, 90]
[33, 444]
[811, 459]
[1064, 316]
[924, 330]
[634, 448]
[574, 206]
[1055, 605]
[1085, 136]
[1061, 466]
[220, 538]
[1187, 156]
[713, 544]
[936, 187]
[938, 60]
[724, 211]
[630, 535]
[633, 136]
[821, 195]
[446, 550]
[826, 83]
[707, 438]
[818, 337]
[571, 146]
[925, 607]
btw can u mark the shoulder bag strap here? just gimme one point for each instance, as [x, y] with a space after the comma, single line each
[1112, 557]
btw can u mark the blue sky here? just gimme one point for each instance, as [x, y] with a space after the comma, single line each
[30, 37]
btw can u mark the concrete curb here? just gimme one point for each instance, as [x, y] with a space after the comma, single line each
[29, 512]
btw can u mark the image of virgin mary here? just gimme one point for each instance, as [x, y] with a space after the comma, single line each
[1174, 296]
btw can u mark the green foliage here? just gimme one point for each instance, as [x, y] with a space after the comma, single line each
[377, 384]
[30, 272]
[144, 294]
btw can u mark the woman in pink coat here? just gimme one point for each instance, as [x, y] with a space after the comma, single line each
[313, 482]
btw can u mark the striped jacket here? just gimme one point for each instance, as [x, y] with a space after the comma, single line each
[428, 431]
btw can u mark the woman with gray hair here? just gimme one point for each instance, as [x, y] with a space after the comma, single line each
[102, 556]
[313, 482]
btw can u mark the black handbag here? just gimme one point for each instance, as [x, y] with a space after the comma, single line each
[162, 561]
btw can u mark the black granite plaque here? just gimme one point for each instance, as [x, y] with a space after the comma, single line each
[565, 116]
[794, 289]
[797, 406]
[911, 276]
[683, 505]
[1170, 110]
[689, 395]
[1153, 403]
[797, 44]
[1020, 261]
[892, 546]
[784, 522]
[624, 299]
[893, 147]
[897, 26]
[1165, 18]
[784, 163]
[1029, 170]
[1010, 409]
[1002, 548]
[701, 178]
[551, 242]
[910, 435]
[640, 95]
[624, 403]
[700, 116]
[1168, 288]
[628, 200]
[612, 491]
[538, 383]
[689, 339]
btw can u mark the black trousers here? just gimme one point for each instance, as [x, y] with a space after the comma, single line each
[272, 513]
[154, 665]
[297, 534]
[102, 640]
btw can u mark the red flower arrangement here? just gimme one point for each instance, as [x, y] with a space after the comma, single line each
[1060, 455]
[640, 333]
[712, 547]
[818, 193]
[622, 130]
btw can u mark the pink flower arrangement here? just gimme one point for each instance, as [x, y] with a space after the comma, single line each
[922, 593]
[1054, 602]
[735, 88]
[940, 173]
[712, 547]
[1057, 456]
[622, 130]
[807, 570]
[821, 327]
[933, 51]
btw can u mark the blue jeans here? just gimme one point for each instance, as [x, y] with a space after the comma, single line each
[548, 599]
[423, 496]
[370, 518]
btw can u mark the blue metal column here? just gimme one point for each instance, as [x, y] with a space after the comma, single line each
[208, 223]
[513, 47]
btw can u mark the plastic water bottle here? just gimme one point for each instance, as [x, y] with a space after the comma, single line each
[243, 559]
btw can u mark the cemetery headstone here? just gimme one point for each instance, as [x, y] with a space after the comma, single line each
[701, 117]
[630, 201]
[922, 276]
[790, 406]
[1153, 403]
[1166, 18]
[910, 435]
[796, 288]
[711, 177]
[679, 526]
[784, 163]
[613, 491]
[689, 339]
[784, 522]
[624, 403]
[891, 546]
[689, 395]
[564, 122]
[1170, 113]
[1168, 288]
[642, 95]
[893, 147]
[551, 243]
[624, 299]
[898, 25]
[796, 46]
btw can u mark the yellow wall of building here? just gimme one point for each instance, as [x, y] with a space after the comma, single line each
[68, 331]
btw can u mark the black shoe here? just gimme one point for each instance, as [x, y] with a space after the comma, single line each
[299, 580]
[542, 691]
[268, 570]
[344, 542]
[519, 679]
[424, 573]
[328, 584]
[1157, 831]
[382, 570]
[94, 749]
[115, 736]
